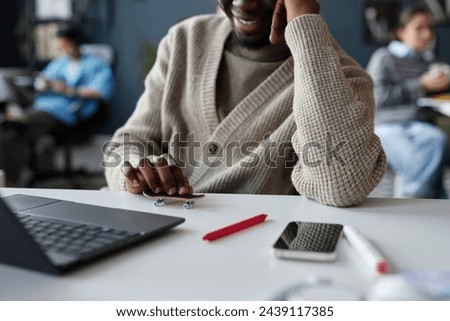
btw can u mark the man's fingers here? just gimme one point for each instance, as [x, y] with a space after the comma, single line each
[171, 177]
[138, 189]
[278, 22]
[130, 174]
[158, 174]
[181, 181]
[151, 177]
[137, 184]
[166, 178]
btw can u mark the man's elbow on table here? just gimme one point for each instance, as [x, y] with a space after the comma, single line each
[341, 189]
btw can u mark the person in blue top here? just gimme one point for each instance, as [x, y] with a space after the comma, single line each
[71, 85]
[69, 90]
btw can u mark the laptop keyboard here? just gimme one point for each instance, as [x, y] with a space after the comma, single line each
[71, 238]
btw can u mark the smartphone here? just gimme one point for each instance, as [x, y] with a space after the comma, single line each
[308, 241]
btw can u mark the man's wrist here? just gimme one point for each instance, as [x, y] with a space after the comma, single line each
[295, 9]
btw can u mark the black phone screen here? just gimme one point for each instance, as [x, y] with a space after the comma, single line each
[309, 237]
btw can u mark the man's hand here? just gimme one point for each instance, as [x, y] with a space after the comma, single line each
[287, 10]
[158, 175]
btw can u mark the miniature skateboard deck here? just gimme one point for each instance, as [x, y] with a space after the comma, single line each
[163, 198]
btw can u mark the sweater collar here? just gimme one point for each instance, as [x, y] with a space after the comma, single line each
[401, 50]
[282, 77]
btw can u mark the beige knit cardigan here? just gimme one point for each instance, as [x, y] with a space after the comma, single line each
[306, 129]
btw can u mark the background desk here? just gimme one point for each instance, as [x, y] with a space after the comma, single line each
[180, 266]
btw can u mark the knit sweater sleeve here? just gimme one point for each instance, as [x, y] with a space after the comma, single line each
[141, 134]
[340, 159]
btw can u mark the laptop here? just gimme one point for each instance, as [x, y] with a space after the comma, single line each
[55, 236]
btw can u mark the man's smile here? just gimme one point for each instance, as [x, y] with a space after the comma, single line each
[248, 21]
[251, 24]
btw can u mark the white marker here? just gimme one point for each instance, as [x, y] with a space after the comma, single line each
[366, 250]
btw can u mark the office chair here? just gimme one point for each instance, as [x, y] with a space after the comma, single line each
[67, 140]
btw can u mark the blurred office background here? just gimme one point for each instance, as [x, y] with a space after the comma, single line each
[133, 28]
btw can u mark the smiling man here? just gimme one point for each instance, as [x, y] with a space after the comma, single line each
[259, 101]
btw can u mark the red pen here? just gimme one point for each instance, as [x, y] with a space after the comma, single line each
[236, 227]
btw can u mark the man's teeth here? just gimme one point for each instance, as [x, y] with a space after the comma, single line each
[248, 22]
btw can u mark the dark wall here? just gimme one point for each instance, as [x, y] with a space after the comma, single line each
[9, 52]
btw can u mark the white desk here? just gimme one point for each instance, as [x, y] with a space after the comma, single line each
[180, 266]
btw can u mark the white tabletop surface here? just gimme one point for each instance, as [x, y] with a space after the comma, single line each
[411, 233]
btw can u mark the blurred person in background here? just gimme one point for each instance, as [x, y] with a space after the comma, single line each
[68, 91]
[403, 72]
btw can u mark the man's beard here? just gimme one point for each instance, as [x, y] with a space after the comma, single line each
[253, 44]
